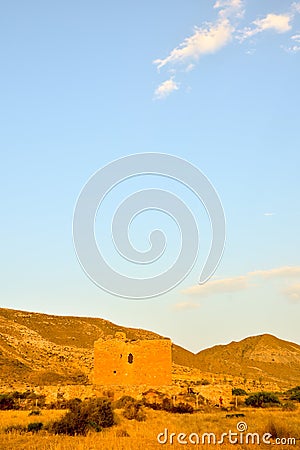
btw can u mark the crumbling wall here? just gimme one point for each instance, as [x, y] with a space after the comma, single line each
[120, 361]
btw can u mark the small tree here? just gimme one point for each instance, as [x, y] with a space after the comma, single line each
[238, 391]
[262, 399]
[294, 393]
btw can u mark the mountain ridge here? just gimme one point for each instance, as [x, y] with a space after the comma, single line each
[39, 348]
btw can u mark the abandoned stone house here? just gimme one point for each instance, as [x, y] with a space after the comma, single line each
[120, 361]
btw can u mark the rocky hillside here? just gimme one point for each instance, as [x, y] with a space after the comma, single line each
[258, 357]
[41, 349]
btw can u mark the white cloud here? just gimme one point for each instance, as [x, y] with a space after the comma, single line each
[240, 283]
[207, 39]
[186, 305]
[287, 271]
[296, 38]
[218, 286]
[213, 36]
[230, 8]
[280, 23]
[269, 214]
[295, 47]
[292, 49]
[293, 292]
[250, 51]
[296, 7]
[165, 88]
[190, 67]
[236, 4]
[203, 41]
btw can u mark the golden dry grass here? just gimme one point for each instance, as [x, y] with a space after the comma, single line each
[143, 435]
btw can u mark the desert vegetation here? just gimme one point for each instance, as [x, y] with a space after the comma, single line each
[129, 423]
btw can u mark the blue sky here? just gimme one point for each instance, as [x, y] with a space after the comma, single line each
[215, 83]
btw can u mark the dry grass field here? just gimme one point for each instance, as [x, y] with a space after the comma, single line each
[132, 435]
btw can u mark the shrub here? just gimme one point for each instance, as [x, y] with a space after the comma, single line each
[35, 412]
[72, 404]
[167, 404]
[122, 433]
[29, 400]
[262, 399]
[109, 394]
[289, 406]
[7, 402]
[295, 396]
[34, 427]
[92, 414]
[294, 393]
[294, 390]
[16, 429]
[238, 391]
[155, 406]
[277, 430]
[133, 411]
[183, 408]
[123, 402]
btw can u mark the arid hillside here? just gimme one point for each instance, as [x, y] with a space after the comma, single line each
[41, 349]
[255, 357]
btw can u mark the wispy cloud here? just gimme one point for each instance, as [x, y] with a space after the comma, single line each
[218, 286]
[295, 7]
[287, 271]
[241, 283]
[295, 44]
[166, 88]
[280, 23]
[186, 305]
[229, 8]
[203, 41]
[208, 39]
[293, 292]
[213, 36]
[269, 214]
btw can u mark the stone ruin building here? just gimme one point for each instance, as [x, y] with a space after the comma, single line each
[123, 362]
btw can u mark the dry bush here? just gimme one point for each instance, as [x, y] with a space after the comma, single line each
[15, 429]
[289, 406]
[122, 433]
[278, 429]
[93, 414]
[134, 411]
[123, 402]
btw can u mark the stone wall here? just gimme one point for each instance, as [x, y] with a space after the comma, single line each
[124, 362]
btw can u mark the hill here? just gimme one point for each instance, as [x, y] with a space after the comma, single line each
[46, 349]
[43, 349]
[255, 357]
